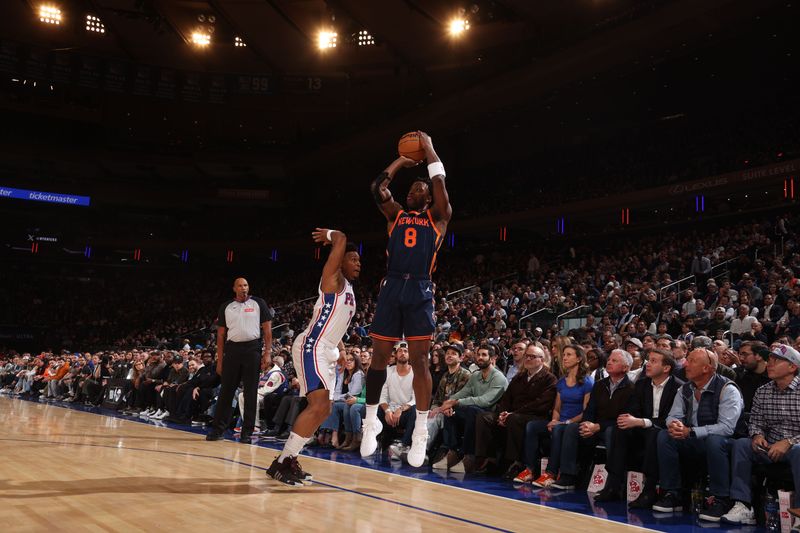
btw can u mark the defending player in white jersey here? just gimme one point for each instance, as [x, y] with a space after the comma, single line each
[316, 351]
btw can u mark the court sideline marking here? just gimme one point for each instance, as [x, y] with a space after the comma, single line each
[267, 446]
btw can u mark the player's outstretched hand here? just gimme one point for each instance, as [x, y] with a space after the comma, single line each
[321, 235]
[406, 162]
[426, 142]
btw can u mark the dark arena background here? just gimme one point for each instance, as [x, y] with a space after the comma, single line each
[611, 164]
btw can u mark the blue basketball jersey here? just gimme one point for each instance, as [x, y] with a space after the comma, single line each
[414, 241]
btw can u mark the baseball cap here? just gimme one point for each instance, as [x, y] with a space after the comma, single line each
[720, 309]
[786, 352]
[634, 341]
[538, 329]
[401, 344]
[455, 346]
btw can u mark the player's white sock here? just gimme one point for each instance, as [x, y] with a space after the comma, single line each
[372, 412]
[292, 447]
[421, 425]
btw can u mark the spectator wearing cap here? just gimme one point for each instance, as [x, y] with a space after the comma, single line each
[481, 393]
[636, 348]
[701, 425]
[712, 294]
[453, 381]
[774, 432]
[717, 323]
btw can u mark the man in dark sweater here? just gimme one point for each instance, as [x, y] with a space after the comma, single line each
[638, 428]
[607, 401]
[530, 396]
[752, 373]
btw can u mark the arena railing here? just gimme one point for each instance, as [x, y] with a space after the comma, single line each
[663, 290]
[568, 325]
[534, 313]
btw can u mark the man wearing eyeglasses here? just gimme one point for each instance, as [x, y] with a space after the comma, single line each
[774, 433]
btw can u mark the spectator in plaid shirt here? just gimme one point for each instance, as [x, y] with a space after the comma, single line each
[774, 432]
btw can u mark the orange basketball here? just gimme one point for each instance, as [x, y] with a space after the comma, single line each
[410, 147]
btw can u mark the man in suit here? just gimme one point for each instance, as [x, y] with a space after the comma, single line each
[770, 314]
[638, 427]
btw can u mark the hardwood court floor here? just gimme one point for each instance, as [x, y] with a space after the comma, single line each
[66, 470]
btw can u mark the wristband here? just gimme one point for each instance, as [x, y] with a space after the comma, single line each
[436, 169]
[328, 236]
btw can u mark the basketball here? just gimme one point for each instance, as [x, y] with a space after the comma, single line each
[409, 146]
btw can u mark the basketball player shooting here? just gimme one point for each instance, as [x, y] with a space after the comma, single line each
[405, 303]
[317, 350]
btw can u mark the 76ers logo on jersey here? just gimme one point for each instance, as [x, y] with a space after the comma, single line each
[349, 300]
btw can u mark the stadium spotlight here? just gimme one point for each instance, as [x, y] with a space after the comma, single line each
[239, 42]
[458, 26]
[365, 39]
[49, 14]
[327, 39]
[201, 39]
[94, 24]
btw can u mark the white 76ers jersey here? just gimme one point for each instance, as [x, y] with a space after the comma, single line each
[332, 315]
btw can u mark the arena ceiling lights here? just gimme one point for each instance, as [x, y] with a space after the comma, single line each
[93, 23]
[201, 39]
[50, 14]
[458, 26]
[327, 39]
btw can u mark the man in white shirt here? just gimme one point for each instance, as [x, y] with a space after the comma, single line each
[638, 428]
[743, 323]
[397, 399]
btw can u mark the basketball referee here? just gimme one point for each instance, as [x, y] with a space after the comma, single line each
[244, 340]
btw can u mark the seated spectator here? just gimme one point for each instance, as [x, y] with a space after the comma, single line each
[528, 399]
[356, 406]
[481, 393]
[396, 402]
[438, 368]
[608, 399]
[517, 361]
[269, 381]
[150, 379]
[638, 427]
[197, 393]
[700, 425]
[349, 382]
[774, 433]
[166, 390]
[573, 391]
[752, 372]
[453, 381]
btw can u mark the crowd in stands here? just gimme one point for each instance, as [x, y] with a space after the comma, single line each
[700, 376]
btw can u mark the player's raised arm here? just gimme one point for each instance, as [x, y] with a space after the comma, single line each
[332, 278]
[380, 188]
[441, 209]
